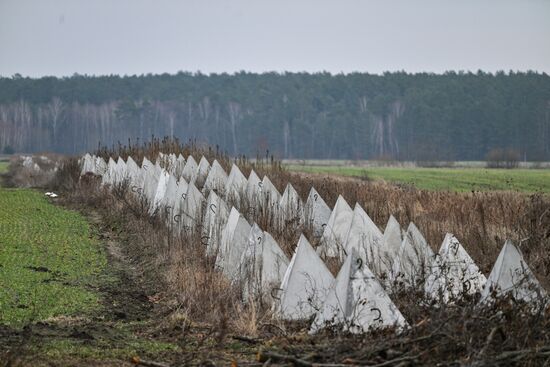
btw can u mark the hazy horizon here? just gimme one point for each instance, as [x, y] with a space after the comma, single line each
[135, 37]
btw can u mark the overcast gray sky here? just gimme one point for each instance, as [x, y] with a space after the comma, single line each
[62, 37]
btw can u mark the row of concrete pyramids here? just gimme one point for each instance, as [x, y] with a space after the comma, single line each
[374, 263]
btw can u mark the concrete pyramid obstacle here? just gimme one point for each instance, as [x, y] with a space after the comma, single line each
[269, 195]
[88, 164]
[317, 212]
[391, 243]
[171, 163]
[190, 170]
[453, 273]
[192, 207]
[150, 182]
[202, 171]
[215, 218]
[92, 164]
[181, 195]
[169, 199]
[216, 179]
[100, 166]
[121, 174]
[511, 276]
[264, 264]
[132, 171]
[160, 191]
[363, 236]
[357, 302]
[305, 285]
[138, 183]
[234, 240]
[255, 238]
[336, 230]
[180, 165]
[235, 185]
[291, 207]
[413, 261]
[109, 175]
[253, 187]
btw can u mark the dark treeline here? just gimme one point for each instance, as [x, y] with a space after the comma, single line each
[453, 116]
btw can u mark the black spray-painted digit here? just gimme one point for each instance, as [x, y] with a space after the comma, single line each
[379, 317]
[274, 290]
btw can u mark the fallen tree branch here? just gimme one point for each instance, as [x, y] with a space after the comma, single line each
[246, 339]
[277, 357]
[142, 362]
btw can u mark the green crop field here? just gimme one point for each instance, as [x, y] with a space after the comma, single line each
[3, 166]
[50, 261]
[453, 179]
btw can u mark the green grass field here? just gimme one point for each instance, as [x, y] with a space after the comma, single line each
[453, 179]
[3, 166]
[50, 261]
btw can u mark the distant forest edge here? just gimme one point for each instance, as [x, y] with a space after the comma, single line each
[422, 117]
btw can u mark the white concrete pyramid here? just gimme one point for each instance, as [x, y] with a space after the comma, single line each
[168, 201]
[413, 261]
[512, 276]
[216, 179]
[255, 237]
[192, 207]
[214, 220]
[453, 273]
[100, 166]
[190, 170]
[133, 172]
[336, 230]
[391, 243]
[179, 200]
[253, 187]
[317, 212]
[109, 175]
[291, 207]
[160, 191]
[150, 182]
[202, 171]
[171, 163]
[263, 265]
[305, 285]
[363, 236]
[235, 185]
[269, 195]
[121, 174]
[234, 240]
[180, 165]
[357, 302]
[88, 164]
